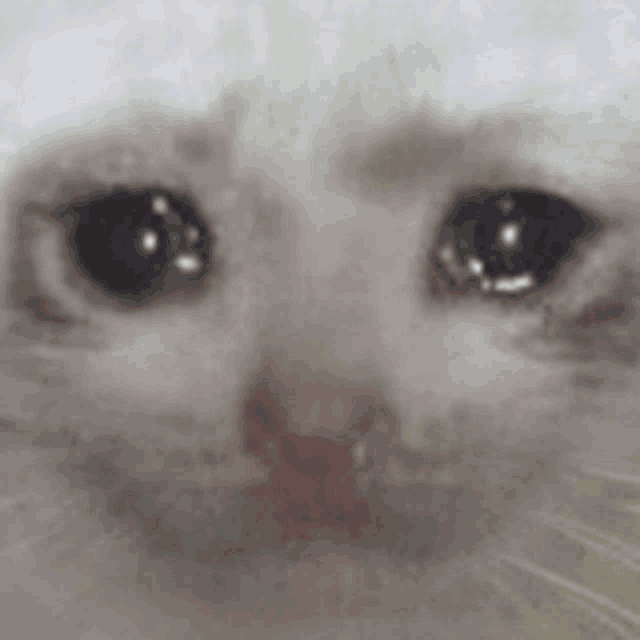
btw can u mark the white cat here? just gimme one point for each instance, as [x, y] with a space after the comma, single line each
[258, 380]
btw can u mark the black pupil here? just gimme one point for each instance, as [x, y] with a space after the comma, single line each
[517, 231]
[128, 243]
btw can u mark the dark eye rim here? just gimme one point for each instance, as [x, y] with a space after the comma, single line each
[165, 286]
[44, 309]
[441, 284]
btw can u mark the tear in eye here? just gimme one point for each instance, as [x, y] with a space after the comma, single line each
[136, 245]
[508, 242]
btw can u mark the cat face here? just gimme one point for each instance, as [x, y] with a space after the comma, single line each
[264, 379]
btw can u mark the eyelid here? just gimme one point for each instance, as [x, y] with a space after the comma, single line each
[563, 230]
[482, 155]
[252, 216]
[42, 288]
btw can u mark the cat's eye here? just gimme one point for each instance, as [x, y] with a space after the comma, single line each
[508, 243]
[136, 245]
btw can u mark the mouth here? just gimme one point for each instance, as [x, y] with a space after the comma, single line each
[314, 489]
[320, 530]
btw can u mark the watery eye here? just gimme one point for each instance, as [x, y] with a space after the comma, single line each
[136, 245]
[508, 243]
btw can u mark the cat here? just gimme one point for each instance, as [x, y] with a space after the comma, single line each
[316, 417]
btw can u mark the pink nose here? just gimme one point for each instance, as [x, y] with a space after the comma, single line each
[308, 428]
[312, 482]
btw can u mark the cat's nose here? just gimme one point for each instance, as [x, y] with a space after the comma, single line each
[318, 435]
[292, 396]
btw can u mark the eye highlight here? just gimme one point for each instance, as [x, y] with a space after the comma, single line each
[507, 243]
[136, 245]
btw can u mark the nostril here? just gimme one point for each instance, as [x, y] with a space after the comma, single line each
[264, 413]
[261, 412]
[264, 421]
[366, 422]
